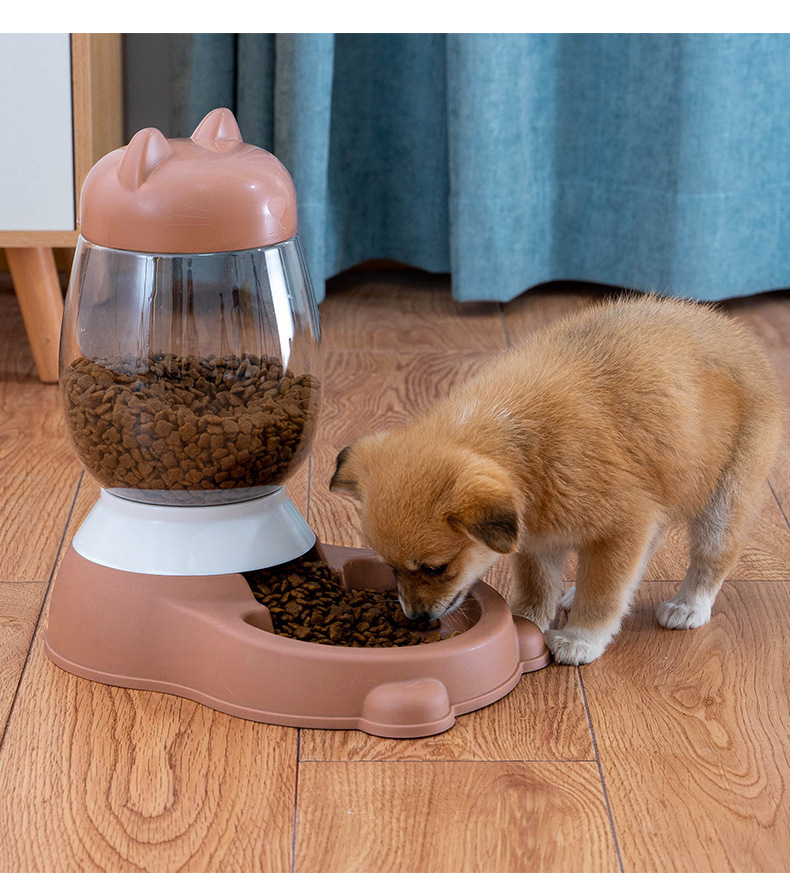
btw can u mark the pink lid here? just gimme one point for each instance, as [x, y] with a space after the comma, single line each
[212, 193]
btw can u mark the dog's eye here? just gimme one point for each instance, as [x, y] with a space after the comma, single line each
[433, 570]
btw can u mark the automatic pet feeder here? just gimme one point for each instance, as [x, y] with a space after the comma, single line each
[190, 376]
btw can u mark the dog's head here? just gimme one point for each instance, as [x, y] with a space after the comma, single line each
[439, 514]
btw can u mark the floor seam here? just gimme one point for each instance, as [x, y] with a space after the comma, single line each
[776, 499]
[449, 761]
[607, 803]
[66, 528]
[12, 707]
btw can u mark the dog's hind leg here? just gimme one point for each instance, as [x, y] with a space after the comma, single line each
[716, 536]
[538, 584]
[718, 532]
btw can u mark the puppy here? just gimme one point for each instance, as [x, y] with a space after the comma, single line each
[595, 436]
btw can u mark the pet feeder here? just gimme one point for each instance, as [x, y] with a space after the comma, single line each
[190, 377]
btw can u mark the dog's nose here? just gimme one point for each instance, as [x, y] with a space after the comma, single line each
[422, 617]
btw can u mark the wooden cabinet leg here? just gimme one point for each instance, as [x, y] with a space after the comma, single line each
[41, 302]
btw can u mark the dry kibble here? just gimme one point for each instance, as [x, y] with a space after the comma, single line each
[307, 601]
[191, 424]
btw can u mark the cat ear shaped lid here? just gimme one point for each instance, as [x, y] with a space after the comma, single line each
[212, 193]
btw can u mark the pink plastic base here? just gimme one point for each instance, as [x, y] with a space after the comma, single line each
[208, 639]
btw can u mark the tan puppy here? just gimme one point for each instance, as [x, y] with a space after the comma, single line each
[595, 436]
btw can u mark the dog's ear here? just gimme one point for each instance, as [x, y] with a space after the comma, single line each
[344, 480]
[354, 464]
[487, 511]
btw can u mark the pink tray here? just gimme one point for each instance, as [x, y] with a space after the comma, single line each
[208, 639]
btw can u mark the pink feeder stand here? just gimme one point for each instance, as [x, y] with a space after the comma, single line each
[191, 383]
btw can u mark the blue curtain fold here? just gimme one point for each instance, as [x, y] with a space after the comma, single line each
[646, 161]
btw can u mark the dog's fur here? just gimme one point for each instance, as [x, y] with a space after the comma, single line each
[594, 436]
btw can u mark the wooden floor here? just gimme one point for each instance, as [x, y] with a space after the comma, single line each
[670, 753]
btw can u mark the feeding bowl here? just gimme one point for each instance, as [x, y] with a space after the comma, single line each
[208, 639]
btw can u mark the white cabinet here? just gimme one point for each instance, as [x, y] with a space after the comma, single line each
[60, 112]
[36, 142]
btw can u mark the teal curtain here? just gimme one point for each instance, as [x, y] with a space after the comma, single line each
[646, 161]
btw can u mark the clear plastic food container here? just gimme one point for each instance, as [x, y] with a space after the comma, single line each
[190, 378]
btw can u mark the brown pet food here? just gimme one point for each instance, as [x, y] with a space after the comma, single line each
[189, 424]
[307, 601]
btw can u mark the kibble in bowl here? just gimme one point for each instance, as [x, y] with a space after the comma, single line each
[308, 600]
[189, 430]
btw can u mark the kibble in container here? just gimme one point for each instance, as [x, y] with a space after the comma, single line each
[190, 377]
[211, 393]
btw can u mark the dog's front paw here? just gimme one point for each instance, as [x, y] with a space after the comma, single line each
[574, 645]
[679, 615]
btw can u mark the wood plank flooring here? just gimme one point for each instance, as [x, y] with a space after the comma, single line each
[670, 753]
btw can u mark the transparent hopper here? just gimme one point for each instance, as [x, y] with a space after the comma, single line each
[190, 379]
